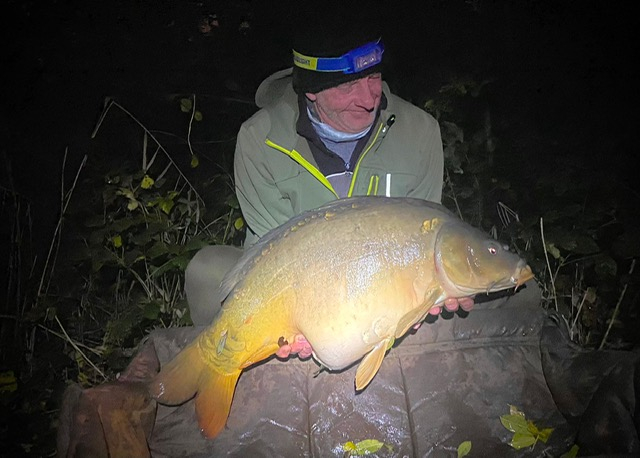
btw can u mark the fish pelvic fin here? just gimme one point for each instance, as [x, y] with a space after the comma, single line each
[177, 381]
[213, 401]
[370, 364]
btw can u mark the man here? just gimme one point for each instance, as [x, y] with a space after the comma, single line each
[328, 128]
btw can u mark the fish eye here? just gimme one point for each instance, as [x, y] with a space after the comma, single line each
[492, 249]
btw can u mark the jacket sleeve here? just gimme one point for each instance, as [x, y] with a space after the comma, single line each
[430, 186]
[263, 205]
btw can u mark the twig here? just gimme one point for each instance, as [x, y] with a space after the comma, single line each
[66, 337]
[193, 113]
[615, 311]
[575, 319]
[453, 193]
[64, 203]
[169, 158]
[73, 344]
[546, 256]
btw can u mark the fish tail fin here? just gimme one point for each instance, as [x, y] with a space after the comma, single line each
[188, 374]
[213, 401]
[178, 380]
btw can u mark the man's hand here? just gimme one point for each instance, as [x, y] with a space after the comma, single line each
[452, 304]
[299, 346]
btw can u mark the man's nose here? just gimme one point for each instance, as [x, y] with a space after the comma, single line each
[365, 94]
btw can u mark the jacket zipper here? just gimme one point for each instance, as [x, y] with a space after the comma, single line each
[383, 128]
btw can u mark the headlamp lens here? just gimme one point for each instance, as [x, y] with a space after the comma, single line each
[364, 57]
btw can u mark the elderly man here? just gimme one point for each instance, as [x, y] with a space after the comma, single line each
[329, 128]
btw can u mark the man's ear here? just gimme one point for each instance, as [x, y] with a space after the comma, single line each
[310, 96]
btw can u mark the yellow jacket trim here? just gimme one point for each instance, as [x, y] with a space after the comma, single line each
[364, 153]
[296, 156]
[373, 185]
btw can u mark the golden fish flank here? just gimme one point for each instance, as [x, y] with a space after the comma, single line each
[351, 277]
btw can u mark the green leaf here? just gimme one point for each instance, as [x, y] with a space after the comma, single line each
[186, 105]
[8, 382]
[514, 423]
[117, 241]
[194, 161]
[522, 440]
[151, 310]
[146, 182]
[553, 251]
[166, 205]
[464, 449]
[197, 116]
[543, 435]
[606, 266]
[364, 447]
[585, 245]
[572, 453]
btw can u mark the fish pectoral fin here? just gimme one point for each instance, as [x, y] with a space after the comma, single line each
[213, 401]
[409, 319]
[417, 314]
[262, 353]
[370, 364]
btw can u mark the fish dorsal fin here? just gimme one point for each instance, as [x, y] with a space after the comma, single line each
[370, 364]
[417, 314]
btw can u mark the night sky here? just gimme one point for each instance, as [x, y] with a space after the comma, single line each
[563, 71]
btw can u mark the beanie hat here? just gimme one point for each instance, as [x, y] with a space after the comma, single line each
[331, 37]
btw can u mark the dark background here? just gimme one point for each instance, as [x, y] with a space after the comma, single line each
[563, 73]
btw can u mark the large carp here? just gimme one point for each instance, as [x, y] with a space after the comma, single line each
[351, 276]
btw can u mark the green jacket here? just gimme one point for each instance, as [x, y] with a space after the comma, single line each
[276, 176]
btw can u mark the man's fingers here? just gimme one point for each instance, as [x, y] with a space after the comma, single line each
[466, 303]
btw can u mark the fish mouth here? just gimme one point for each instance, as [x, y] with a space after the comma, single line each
[520, 276]
[523, 274]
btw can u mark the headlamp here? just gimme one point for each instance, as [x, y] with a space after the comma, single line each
[354, 61]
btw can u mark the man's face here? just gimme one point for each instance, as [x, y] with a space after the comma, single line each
[350, 107]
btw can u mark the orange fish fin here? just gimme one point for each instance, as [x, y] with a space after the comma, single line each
[213, 401]
[417, 314]
[370, 364]
[410, 318]
[262, 353]
[177, 381]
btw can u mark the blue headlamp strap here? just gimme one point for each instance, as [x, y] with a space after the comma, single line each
[354, 61]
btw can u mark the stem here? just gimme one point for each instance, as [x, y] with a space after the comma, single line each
[64, 203]
[615, 311]
[76, 348]
[193, 113]
[546, 256]
[573, 325]
[169, 158]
